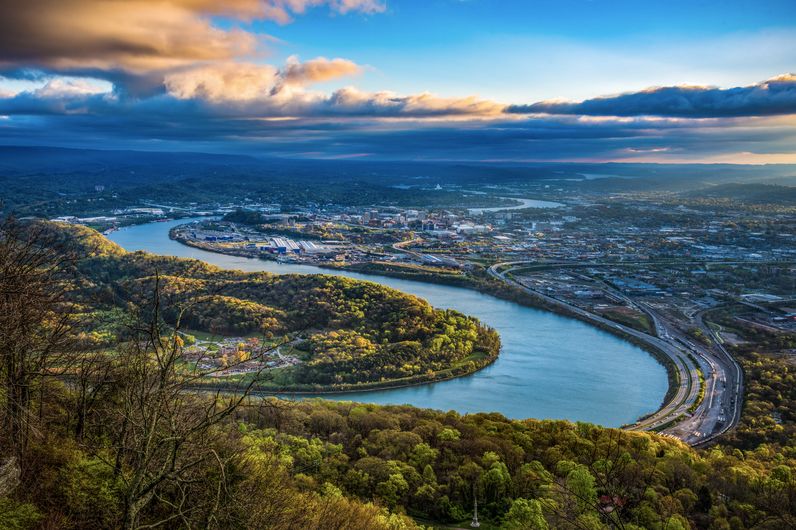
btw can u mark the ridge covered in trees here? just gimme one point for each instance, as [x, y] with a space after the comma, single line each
[94, 441]
[354, 332]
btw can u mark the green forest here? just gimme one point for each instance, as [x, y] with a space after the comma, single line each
[354, 332]
[103, 427]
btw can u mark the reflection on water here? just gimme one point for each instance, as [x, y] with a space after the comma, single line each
[549, 367]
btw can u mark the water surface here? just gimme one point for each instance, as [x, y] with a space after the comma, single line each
[550, 366]
[524, 203]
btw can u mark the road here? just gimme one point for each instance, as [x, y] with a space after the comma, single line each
[720, 408]
[719, 411]
[581, 264]
[729, 396]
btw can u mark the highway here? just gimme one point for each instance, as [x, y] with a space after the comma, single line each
[719, 410]
[728, 397]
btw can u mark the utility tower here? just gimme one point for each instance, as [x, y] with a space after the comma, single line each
[475, 523]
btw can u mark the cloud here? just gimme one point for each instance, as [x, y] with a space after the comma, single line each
[235, 82]
[316, 70]
[135, 35]
[227, 81]
[185, 73]
[64, 87]
[365, 6]
[776, 96]
[168, 124]
[282, 11]
[177, 50]
[263, 91]
[242, 91]
[234, 106]
[387, 104]
[135, 43]
[349, 102]
[262, 84]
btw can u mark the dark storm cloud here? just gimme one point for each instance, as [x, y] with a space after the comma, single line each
[163, 123]
[295, 122]
[776, 96]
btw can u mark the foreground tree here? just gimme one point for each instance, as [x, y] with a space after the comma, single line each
[169, 445]
[37, 336]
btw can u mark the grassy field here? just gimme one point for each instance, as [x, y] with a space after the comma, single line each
[630, 318]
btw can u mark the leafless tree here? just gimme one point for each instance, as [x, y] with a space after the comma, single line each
[166, 429]
[95, 377]
[36, 329]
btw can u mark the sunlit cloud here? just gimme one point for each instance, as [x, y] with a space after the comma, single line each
[225, 81]
[316, 70]
[264, 91]
[61, 87]
[137, 43]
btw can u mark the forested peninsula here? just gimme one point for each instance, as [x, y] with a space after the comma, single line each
[338, 334]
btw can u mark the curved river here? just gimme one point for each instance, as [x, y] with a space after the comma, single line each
[550, 366]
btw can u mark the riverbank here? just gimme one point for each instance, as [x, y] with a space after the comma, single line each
[684, 391]
[228, 251]
[480, 281]
[321, 390]
[549, 366]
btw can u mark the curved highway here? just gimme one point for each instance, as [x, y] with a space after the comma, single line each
[727, 397]
[541, 371]
[683, 416]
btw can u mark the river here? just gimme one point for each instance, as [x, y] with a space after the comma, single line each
[549, 367]
[524, 203]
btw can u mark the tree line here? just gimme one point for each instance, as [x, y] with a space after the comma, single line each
[123, 441]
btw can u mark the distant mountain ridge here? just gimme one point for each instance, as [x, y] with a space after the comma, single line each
[26, 159]
[52, 181]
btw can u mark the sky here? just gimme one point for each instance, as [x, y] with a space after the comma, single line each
[520, 81]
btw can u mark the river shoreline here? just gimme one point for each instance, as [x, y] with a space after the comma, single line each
[510, 294]
[550, 366]
[484, 285]
[365, 387]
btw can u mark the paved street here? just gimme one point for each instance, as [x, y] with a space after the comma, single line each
[720, 407]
